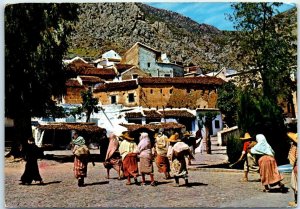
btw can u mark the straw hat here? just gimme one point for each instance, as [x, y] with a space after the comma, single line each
[126, 136]
[246, 136]
[293, 136]
[187, 134]
[174, 138]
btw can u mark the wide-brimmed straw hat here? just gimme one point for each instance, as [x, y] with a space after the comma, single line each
[246, 136]
[174, 138]
[293, 137]
[187, 133]
[126, 136]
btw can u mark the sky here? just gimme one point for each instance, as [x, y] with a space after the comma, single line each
[211, 13]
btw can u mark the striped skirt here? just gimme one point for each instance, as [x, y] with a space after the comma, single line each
[80, 167]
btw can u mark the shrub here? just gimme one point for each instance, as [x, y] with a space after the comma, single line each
[234, 149]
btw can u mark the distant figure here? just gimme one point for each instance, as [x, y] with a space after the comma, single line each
[293, 161]
[268, 169]
[31, 155]
[129, 157]
[144, 150]
[81, 154]
[113, 158]
[250, 163]
[161, 149]
[104, 142]
[177, 152]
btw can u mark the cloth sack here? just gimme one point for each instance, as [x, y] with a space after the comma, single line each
[180, 146]
[82, 151]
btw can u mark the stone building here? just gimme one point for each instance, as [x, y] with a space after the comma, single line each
[199, 92]
[151, 61]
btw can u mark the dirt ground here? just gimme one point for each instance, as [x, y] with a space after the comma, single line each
[209, 188]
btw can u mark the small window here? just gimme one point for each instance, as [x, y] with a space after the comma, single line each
[171, 91]
[167, 75]
[148, 64]
[161, 91]
[131, 97]
[135, 76]
[113, 99]
[151, 91]
[188, 91]
[217, 124]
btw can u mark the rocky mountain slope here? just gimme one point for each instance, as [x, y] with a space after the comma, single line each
[117, 26]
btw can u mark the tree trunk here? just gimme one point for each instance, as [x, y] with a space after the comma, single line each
[208, 142]
[23, 132]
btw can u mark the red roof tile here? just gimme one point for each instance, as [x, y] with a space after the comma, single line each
[91, 79]
[115, 86]
[82, 68]
[177, 113]
[73, 83]
[182, 80]
[152, 114]
[169, 125]
[123, 67]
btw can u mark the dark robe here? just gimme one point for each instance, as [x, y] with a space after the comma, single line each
[32, 153]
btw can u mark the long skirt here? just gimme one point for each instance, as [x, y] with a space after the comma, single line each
[146, 166]
[294, 180]
[31, 172]
[163, 164]
[115, 161]
[130, 165]
[268, 170]
[178, 167]
[80, 167]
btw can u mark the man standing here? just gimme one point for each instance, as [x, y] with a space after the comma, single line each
[250, 161]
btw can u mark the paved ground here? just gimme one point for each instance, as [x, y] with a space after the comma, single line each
[211, 186]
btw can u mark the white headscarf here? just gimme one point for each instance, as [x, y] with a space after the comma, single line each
[262, 147]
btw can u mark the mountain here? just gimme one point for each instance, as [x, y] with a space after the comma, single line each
[117, 26]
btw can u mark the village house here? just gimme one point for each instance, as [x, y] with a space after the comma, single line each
[151, 61]
[108, 59]
[166, 95]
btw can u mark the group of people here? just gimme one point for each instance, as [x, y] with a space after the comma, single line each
[260, 157]
[170, 155]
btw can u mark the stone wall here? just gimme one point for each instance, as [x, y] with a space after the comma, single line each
[73, 95]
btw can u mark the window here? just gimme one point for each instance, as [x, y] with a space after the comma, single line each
[161, 91]
[113, 99]
[135, 76]
[148, 64]
[171, 91]
[151, 91]
[217, 124]
[167, 75]
[131, 97]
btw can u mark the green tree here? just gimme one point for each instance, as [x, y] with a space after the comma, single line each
[266, 46]
[228, 102]
[35, 43]
[89, 104]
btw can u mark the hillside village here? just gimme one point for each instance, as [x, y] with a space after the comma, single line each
[143, 87]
